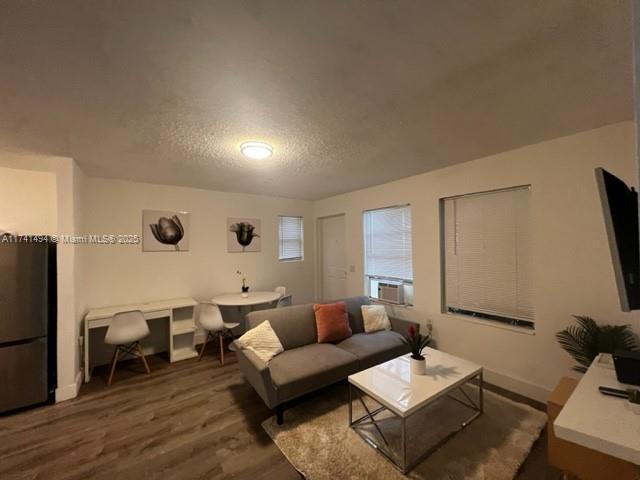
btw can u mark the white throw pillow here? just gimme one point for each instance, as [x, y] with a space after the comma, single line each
[375, 318]
[262, 341]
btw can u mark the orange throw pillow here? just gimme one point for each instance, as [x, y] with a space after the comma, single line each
[332, 322]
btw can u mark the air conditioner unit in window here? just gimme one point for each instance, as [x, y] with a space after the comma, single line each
[390, 292]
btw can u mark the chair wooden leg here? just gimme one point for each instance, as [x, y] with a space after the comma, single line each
[114, 361]
[144, 360]
[206, 339]
[221, 348]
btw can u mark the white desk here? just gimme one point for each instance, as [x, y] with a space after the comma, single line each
[597, 421]
[179, 312]
[254, 298]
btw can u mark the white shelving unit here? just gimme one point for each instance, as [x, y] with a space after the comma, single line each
[183, 334]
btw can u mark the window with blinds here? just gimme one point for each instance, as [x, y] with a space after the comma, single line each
[488, 256]
[387, 251]
[291, 239]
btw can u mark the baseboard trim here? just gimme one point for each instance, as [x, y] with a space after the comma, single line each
[517, 385]
[67, 392]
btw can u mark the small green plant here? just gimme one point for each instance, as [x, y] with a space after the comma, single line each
[634, 395]
[587, 339]
[416, 342]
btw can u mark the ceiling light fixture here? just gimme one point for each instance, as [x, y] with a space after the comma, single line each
[256, 150]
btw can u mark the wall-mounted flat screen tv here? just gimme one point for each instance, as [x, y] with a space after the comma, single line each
[620, 209]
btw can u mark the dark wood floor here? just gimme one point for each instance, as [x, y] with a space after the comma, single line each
[189, 420]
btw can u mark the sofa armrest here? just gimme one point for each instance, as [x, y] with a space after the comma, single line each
[257, 374]
[401, 326]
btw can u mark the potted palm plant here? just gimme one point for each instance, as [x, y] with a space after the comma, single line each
[587, 339]
[417, 343]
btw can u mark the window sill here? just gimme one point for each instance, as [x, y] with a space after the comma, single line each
[491, 323]
[291, 260]
[375, 301]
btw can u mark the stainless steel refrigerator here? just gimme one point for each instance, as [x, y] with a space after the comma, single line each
[27, 323]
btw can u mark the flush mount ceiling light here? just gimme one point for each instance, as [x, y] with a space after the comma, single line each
[256, 150]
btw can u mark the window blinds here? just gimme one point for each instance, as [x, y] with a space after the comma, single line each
[291, 231]
[387, 243]
[488, 258]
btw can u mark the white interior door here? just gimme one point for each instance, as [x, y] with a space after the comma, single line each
[333, 257]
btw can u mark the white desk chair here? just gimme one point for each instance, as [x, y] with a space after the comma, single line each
[125, 332]
[284, 301]
[282, 291]
[210, 319]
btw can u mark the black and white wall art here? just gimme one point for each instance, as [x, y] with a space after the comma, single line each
[243, 234]
[165, 231]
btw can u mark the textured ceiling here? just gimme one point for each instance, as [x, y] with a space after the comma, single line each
[350, 93]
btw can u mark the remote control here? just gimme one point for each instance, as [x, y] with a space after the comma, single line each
[614, 392]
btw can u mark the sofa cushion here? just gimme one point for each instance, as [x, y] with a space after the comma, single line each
[375, 318]
[295, 326]
[332, 322]
[373, 348]
[304, 369]
[354, 310]
[262, 341]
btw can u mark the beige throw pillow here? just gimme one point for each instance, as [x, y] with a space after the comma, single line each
[262, 341]
[375, 318]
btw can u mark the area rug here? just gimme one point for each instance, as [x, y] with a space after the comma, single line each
[318, 442]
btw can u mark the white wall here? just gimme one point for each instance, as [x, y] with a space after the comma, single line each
[28, 203]
[79, 259]
[573, 271]
[121, 274]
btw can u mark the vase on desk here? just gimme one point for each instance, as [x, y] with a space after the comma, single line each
[245, 287]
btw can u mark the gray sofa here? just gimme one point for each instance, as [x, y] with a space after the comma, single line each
[306, 365]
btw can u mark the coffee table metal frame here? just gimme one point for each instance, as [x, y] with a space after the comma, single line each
[400, 461]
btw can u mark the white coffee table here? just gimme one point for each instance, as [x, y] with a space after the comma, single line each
[396, 390]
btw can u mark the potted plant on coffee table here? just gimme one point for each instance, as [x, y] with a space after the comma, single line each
[417, 342]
